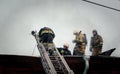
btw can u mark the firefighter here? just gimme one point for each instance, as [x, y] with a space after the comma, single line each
[80, 43]
[46, 36]
[65, 50]
[96, 43]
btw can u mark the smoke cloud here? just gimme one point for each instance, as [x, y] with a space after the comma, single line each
[20, 17]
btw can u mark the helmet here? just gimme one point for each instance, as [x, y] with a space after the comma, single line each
[66, 45]
[95, 31]
[46, 27]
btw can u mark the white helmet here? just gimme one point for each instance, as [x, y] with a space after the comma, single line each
[66, 45]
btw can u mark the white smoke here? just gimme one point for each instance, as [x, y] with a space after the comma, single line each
[20, 17]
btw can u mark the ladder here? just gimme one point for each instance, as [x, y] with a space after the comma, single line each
[54, 64]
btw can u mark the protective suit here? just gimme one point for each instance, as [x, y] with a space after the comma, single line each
[80, 43]
[96, 43]
[64, 50]
[46, 36]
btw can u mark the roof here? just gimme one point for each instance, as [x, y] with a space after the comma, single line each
[15, 64]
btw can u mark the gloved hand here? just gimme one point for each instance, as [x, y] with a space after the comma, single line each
[62, 51]
[33, 32]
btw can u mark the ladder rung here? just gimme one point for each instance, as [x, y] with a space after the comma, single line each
[60, 72]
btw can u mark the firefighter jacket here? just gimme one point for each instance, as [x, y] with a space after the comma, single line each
[81, 39]
[96, 41]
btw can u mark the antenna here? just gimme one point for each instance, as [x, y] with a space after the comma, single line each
[102, 5]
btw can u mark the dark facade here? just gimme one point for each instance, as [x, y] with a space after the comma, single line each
[13, 64]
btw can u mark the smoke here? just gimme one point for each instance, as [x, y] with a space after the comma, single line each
[20, 17]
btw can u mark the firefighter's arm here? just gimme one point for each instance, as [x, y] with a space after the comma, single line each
[85, 39]
[101, 41]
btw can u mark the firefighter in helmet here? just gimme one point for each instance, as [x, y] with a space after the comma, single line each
[46, 36]
[96, 43]
[65, 50]
[80, 43]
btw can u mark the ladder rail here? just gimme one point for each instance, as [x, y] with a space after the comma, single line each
[45, 58]
[64, 62]
[47, 62]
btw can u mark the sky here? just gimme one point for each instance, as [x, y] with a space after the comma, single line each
[19, 17]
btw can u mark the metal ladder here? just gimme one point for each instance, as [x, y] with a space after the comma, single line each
[54, 64]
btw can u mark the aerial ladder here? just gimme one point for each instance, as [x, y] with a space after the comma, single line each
[54, 64]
